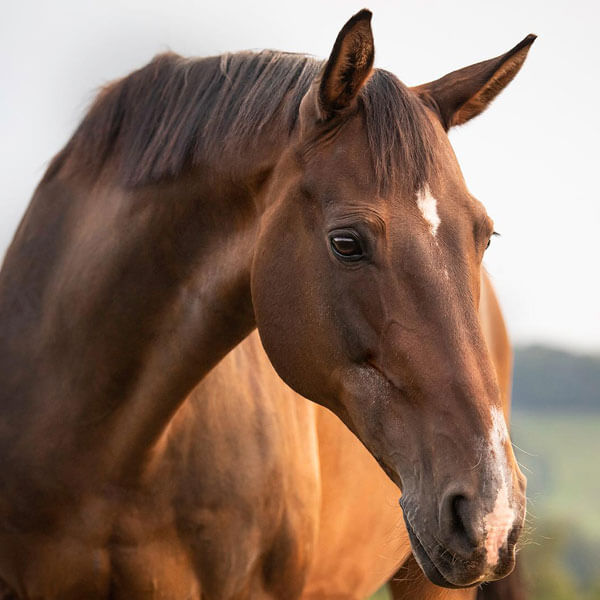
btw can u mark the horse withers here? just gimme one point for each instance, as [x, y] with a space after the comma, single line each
[320, 202]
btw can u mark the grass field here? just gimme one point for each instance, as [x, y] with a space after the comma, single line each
[382, 594]
[560, 454]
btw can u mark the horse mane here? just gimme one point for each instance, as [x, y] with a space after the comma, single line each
[177, 112]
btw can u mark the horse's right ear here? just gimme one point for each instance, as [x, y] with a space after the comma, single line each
[463, 94]
[347, 69]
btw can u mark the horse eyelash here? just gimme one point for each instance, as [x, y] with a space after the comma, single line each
[494, 233]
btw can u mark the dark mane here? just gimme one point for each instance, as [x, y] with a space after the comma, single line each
[176, 112]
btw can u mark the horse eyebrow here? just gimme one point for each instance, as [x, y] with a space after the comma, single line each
[366, 215]
[176, 112]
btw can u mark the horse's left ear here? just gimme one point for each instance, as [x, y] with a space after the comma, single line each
[349, 65]
[463, 94]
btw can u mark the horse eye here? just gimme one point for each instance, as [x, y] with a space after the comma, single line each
[490, 240]
[346, 246]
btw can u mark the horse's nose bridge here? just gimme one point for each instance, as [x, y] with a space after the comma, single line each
[467, 388]
[440, 358]
[456, 386]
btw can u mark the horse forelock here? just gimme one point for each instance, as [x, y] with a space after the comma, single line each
[401, 137]
[175, 113]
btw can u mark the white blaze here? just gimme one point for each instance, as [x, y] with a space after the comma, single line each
[428, 206]
[499, 522]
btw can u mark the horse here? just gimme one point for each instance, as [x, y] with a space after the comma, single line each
[253, 491]
[200, 199]
[349, 521]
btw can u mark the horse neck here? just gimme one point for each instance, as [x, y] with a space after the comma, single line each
[114, 304]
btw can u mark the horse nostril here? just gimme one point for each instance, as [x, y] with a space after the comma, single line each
[459, 523]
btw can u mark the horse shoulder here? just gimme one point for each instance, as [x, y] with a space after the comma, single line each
[235, 483]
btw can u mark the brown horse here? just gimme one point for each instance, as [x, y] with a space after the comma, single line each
[254, 492]
[273, 474]
[199, 199]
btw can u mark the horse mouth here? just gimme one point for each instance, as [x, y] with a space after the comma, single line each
[430, 569]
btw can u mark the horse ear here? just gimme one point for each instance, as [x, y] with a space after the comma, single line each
[349, 65]
[463, 94]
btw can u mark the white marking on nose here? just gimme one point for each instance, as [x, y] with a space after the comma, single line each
[499, 522]
[498, 432]
[428, 206]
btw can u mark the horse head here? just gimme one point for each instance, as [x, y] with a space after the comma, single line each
[365, 287]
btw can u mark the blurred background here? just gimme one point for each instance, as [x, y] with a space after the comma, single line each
[532, 159]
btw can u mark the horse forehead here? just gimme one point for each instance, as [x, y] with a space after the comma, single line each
[340, 154]
[449, 209]
[341, 170]
[427, 205]
[447, 201]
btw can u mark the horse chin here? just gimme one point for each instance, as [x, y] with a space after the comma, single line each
[428, 566]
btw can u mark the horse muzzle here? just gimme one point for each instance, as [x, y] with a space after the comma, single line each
[460, 555]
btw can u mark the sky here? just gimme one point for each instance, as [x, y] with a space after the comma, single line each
[532, 158]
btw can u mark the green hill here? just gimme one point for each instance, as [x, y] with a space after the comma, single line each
[547, 379]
